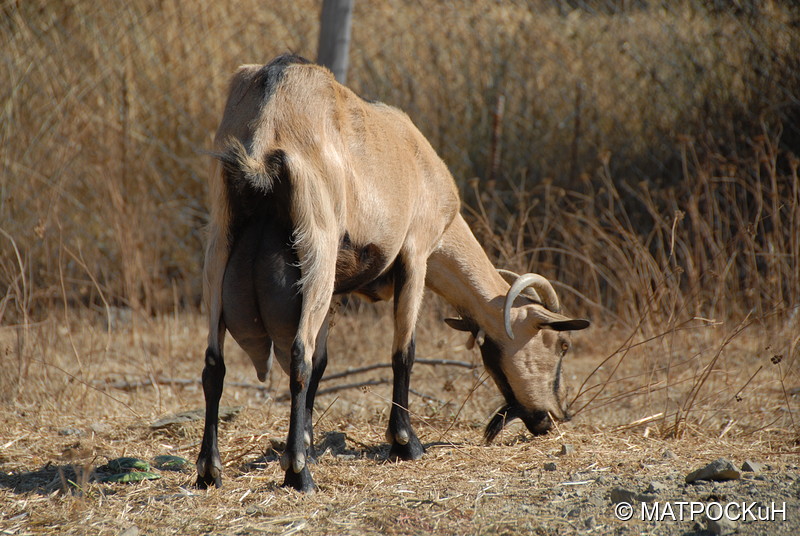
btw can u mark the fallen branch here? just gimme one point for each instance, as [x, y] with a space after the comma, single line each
[328, 390]
[367, 368]
[126, 385]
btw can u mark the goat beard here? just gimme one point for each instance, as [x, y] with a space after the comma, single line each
[537, 422]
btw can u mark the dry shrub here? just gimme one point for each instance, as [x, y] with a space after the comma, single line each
[107, 105]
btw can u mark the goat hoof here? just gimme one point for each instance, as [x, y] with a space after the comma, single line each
[205, 481]
[411, 450]
[301, 481]
[295, 462]
[402, 437]
[209, 472]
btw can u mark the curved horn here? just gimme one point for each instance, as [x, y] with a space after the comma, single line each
[511, 278]
[542, 287]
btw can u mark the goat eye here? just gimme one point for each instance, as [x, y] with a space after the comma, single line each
[564, 347]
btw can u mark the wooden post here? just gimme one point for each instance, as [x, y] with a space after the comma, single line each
[334, 36]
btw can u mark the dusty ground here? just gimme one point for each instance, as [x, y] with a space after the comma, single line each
[76, 394]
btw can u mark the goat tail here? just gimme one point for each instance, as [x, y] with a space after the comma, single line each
[246, 171]
[316, 234]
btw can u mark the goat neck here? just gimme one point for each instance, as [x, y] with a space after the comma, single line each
[460, 272]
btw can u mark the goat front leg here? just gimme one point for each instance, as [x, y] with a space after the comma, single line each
[409, 281]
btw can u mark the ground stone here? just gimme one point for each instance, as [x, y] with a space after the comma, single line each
[752, 467]
[655, 487]
[619, 495]
[718, 470]
[720, 526]
[566, 450]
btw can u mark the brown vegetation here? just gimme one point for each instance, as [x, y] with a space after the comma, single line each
[646, 160]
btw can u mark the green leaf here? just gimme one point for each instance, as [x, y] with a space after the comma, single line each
[121, 465]
[170, 463]
[134, 476]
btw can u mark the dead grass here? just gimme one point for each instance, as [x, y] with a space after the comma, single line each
[644, 162]
[459, 487]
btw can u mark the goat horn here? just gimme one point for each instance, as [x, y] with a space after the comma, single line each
[542, 287]
[511, 278]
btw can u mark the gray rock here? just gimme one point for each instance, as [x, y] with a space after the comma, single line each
[590, 522]
[255, 510]
[70, 431]
[597, 500]
[130, 531]
[752, 467]
[550, 466]
[668, 455]
[100, 428]
[655, 488]
[566, 450]
[718, 470]
[575, 512]
[619, 495]
[720, 526]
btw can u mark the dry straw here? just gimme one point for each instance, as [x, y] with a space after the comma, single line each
[644, 159]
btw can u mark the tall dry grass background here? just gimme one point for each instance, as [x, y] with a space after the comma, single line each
[641, 154]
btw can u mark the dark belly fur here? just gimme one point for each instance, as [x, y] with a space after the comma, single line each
[362, 269]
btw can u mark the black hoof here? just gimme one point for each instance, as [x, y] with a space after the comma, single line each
[413, 450]
[204, 481]
[301, 481]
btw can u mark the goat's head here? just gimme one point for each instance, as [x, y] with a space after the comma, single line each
[526, 361]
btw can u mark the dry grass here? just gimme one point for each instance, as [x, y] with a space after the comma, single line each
[459, 487]
[645, 160]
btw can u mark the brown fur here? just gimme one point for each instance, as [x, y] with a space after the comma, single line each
[356, 169]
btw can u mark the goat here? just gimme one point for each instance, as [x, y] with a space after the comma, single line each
[316, 192]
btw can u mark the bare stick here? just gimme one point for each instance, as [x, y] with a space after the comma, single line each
[367, 368]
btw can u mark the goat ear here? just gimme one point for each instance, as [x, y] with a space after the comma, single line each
[476, 334]
[556, 321]
[461, 324]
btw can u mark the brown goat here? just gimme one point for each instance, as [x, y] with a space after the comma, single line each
[317, 192]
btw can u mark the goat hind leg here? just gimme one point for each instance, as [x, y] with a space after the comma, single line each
[317, 293]
[320, 363]
[209, 464]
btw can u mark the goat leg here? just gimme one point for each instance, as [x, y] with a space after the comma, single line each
[409, 281]
[293, 460]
